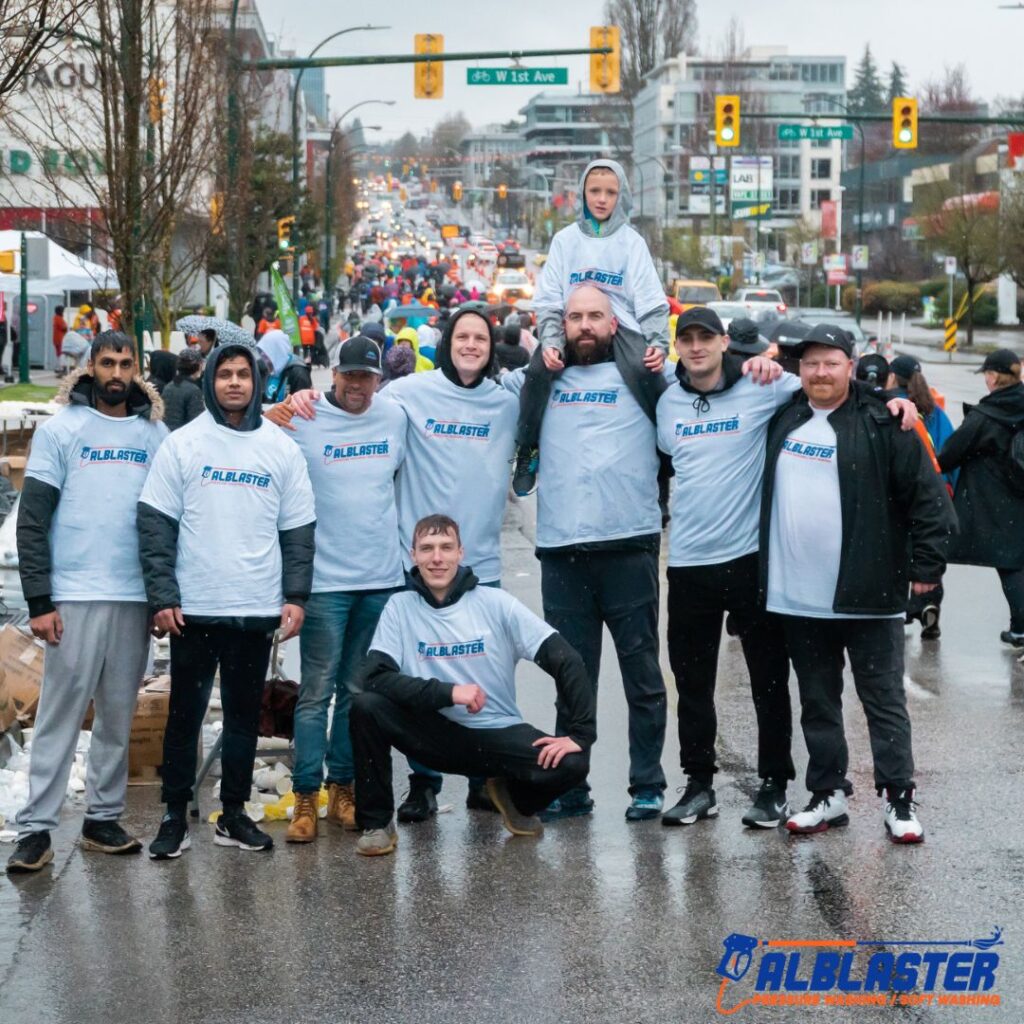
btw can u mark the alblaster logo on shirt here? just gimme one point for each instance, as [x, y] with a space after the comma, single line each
[110, 456]
[432, 650]
[594, 275]
[808, 450]
[563, 396]
[707, 428]
[347, 452]
[235, 477]
[454, 428]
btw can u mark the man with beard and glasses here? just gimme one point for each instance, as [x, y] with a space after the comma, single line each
[598, 534]
[78, 558]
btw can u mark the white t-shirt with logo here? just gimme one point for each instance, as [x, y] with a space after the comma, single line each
[478, 640]
[352, 462]
[99, 464]
[231, 491]
[459, 445]
[718, 456]
[598, 474]
[620, 265]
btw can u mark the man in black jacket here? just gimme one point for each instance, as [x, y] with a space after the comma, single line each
[852, 515]
[226, 536]
[439, 685]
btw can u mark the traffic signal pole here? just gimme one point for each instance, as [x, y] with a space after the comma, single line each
[271, 63]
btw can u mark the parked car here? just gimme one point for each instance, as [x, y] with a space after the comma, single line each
[760, 298]
[694, 292]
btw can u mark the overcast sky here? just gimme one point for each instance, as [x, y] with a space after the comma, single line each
[923, 35]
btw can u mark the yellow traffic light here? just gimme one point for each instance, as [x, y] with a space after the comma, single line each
[284, 233]
[428, 77]
[156, 93]
[503, 191]
[217, 213]
[605, 67]
[457, 191]
[433, 184]
[7, 261]
[904, 122]
[727, 120]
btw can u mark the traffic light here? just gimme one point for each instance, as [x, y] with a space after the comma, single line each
[156, 90]
[433, 184]
[457, 191]
[284, 233]
[428, 76]
[727, 120]
[605, 67]
[904, 122]
[7, 261]
[503, 191]
[217, 213]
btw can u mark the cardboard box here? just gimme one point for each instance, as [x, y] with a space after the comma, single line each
[13, 467]
[21, 676]
[146, 746]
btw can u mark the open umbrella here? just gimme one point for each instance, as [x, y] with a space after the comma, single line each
[227, 332]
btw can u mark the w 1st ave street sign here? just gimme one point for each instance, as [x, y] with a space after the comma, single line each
[517, 76]
[816, 131]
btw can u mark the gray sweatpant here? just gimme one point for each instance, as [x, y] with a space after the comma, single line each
[101, 657]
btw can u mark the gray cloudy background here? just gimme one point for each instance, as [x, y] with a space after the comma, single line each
[923, 35]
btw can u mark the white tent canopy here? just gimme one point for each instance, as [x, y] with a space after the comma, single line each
[67, 272]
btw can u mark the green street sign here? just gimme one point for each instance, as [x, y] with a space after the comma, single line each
[517, 76]
[815, 131]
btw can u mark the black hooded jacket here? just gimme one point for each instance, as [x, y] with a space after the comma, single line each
[158, 533]
[39, 500]
[381, 674]
[162, 368]
[990, 509]
[443, 352]
[896, 515]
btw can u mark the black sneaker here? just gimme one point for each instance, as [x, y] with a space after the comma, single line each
[769, 808]
[930, 622]
[172, 839]
[32, 853]
[238, 829]
[524, 477]
[1015, 640]
[698, 801]
[478, 799]
[107, 837]
[419, 805]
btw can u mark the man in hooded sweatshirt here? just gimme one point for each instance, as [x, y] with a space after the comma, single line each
[286, 372]
[439, 684]
[226, 537]
[600, 249]
[461, 436]
[410, 338]
[79, 565]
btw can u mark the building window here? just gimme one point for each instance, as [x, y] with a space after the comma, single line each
[820, 169]
[787, 199]
[787, 165]
[819, 196]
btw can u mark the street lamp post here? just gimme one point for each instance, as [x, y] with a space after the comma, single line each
[296, 238]
[328, 190]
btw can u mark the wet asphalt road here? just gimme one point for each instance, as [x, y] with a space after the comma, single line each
[599, 920]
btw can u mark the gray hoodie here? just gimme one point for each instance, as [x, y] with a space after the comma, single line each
[623, 208]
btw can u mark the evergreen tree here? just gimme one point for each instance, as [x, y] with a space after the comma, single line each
[897, 82]
[867, 95]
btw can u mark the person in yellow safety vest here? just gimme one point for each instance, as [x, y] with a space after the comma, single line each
[307, 333]
[408, 336]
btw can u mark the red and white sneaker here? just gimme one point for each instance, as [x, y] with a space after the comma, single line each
[826, 809]
[901, 816]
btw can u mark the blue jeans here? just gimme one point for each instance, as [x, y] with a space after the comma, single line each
[335, 636]
[420, 774]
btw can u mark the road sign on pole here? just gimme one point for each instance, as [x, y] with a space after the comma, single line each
[808, 253]
[517, 76]
[950, 343]
[820, 132]
[860, 257]
[950, 262]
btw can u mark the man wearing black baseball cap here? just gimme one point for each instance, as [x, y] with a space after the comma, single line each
[353, 450]
[1003, 360]
[852, 517]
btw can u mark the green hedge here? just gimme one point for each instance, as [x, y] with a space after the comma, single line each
[891, 297]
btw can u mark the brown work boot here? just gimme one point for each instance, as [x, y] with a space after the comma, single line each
[341, 806]
[303, 827]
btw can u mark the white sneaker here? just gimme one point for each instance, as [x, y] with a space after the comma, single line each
[901, 817]
[826, 809]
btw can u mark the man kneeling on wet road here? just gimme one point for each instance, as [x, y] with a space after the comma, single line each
[439, 685]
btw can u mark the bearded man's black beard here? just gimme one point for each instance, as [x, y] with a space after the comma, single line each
[597, 354]
[114, 396]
